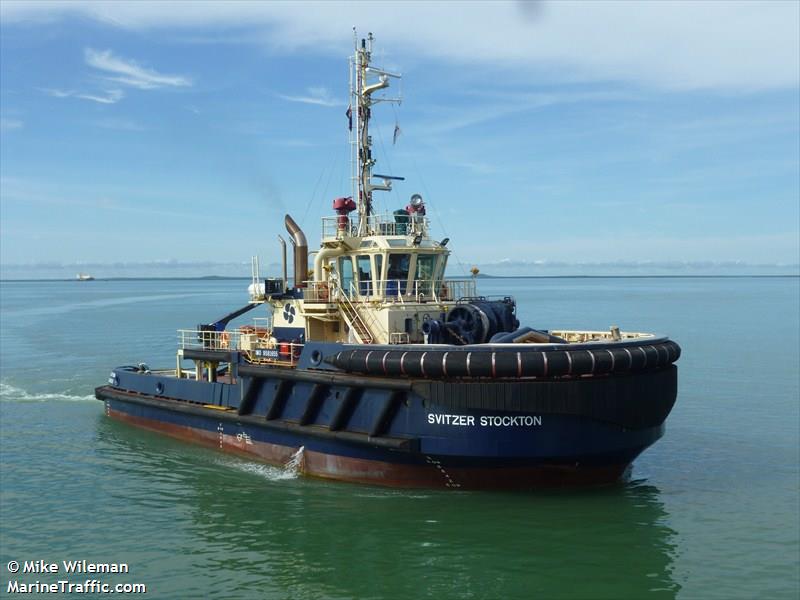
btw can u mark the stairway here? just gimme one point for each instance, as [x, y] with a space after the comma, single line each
[354, 320]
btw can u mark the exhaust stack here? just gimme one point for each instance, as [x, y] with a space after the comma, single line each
[283, 257]
[300, 252]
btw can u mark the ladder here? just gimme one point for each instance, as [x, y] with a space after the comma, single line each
[354, 320]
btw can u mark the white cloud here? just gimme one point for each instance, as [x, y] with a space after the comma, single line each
[9, 124]
[119, 71]
[56, 93]
[128, 72]
[110, 96]
[669, 45]
[316, 95]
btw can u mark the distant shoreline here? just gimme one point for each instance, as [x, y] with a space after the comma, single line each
[481, 276]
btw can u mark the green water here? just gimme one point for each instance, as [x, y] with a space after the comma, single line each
[711, 510]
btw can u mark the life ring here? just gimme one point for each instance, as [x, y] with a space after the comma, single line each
[224, 340]
[323, 291]
[443, 292]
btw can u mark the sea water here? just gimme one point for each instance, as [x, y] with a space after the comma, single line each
[711, 510]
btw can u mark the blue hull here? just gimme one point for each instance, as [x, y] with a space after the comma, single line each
[407, 433]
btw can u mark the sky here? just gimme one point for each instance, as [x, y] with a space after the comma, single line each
[157, 138]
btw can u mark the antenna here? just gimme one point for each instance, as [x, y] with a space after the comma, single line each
[365, 80]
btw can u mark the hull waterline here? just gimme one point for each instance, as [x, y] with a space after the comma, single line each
[357, 458]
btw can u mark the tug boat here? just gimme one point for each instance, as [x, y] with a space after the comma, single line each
[374, 367]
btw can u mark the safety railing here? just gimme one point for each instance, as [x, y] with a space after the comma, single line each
[318, 292]
[383, 224]
[282, 353]
[255, 343]
[419, 290]
[366, 315]
[396, 290]
[194, 339]
[355, 320]
[382, 289]
[398, 337]
[613, 334]
[455, 289]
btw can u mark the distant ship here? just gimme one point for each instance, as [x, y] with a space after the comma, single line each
[84, 277]
[374, 367]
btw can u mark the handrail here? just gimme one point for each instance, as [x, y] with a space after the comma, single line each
[400, 290]
[354, 319]
[396, 290]
[351, 315]
[318, 292]
[255, 343]
[455, 289]
[374, 324]
[380, 224]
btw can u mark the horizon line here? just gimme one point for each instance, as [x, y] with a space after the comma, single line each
[481, 276]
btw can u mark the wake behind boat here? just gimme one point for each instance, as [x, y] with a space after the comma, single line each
[374, 367]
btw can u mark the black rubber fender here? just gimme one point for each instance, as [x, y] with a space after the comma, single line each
[493, 362]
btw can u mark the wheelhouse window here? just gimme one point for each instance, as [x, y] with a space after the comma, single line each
[364, 265]
[346, 274]
[397, 274]
[426, 269]
[426, 266]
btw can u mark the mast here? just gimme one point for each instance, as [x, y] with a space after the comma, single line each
[362, 86]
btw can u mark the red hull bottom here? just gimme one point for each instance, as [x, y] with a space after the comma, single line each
[428, 475]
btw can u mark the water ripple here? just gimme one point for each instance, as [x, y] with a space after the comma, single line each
[11, 393]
